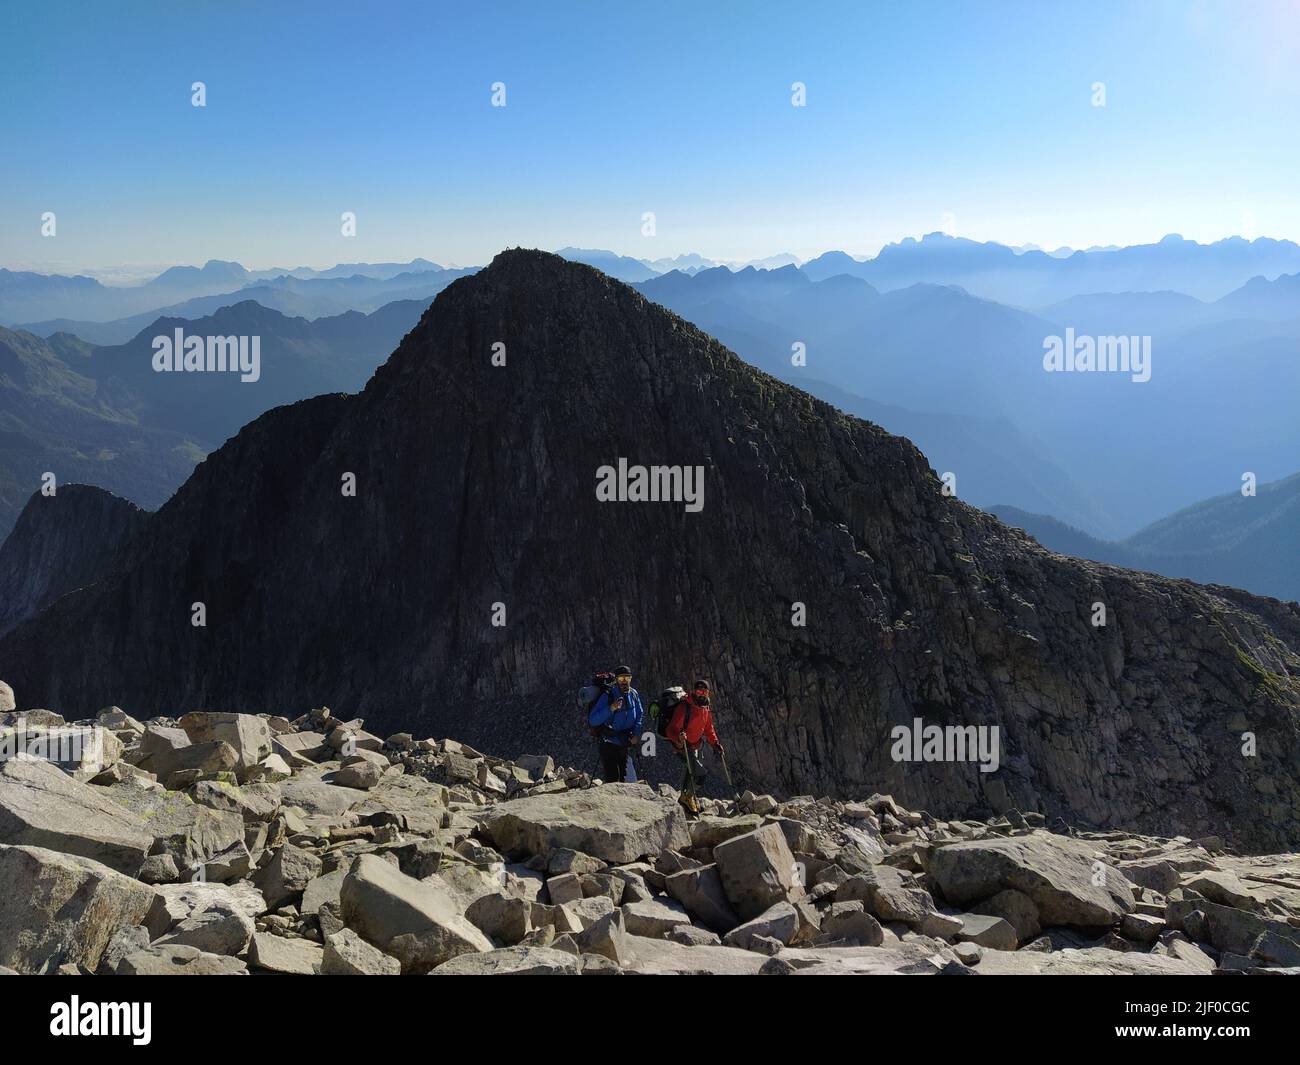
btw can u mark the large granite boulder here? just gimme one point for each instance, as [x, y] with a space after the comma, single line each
[248, 735]
[1228, 928]
[757, 871]
[617, 822]
[190, 832]
[1068, 883]
[700, 891]
[174, 904]
[57, 909]
[41, 806]
[416, 921]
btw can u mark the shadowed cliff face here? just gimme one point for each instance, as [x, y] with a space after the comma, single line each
[476, 485]
[60, 543]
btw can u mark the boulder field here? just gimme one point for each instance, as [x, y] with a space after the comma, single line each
[225, 843]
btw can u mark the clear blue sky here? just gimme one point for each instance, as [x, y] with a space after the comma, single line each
[976, 117]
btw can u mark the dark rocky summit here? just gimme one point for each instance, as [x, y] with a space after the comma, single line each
[476, 486]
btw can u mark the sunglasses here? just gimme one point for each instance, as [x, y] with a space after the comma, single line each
[623, 676]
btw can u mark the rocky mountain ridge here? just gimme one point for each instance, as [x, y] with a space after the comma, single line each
[475, 500]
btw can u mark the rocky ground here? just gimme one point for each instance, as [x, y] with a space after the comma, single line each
[230, 844]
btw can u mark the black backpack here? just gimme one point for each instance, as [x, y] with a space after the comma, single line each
[588, 694]
[661, 710]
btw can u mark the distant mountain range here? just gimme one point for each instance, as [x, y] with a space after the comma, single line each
[1034, 278]
[1022, 277]
[50, 303]
[103, 416]
[690, 263]
[1242, 541]
[1220, 400]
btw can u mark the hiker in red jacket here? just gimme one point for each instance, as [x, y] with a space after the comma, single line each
[690, 725]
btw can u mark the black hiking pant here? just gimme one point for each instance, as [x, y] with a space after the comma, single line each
[613, 762]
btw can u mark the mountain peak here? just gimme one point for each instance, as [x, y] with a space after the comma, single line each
[479, 484]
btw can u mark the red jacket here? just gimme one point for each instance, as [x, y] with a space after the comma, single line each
[698, 726]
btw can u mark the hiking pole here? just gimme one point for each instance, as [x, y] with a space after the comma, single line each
[722, 755]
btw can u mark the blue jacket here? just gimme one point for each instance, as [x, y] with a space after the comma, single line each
[625, 721]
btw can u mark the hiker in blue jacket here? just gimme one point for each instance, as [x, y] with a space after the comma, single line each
[615, 721]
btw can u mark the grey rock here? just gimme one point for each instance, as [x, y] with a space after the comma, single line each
[567, 887]
[987, 931]
[175, 903]
[278, 954]
[1225, 927]
[504, 918]
[58, 909]
[700, 891]
[780, 923]
[158, 869]
[287, 875]
[691, 936]
[1175, 944]
[607, 937]
[1092, 961]
[248, 736]
[1057, 873]
[40, 806]
[178, 960]
[655, 917]
[757, 871]
[416, 921]
[347, 954]
[563, 860]
[359, 774]
[1017, 909]
[125, 941]
[850, 922]
[191, 833]
[214, 931]
[614, 822]
[1141, 928]
[513, 961]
